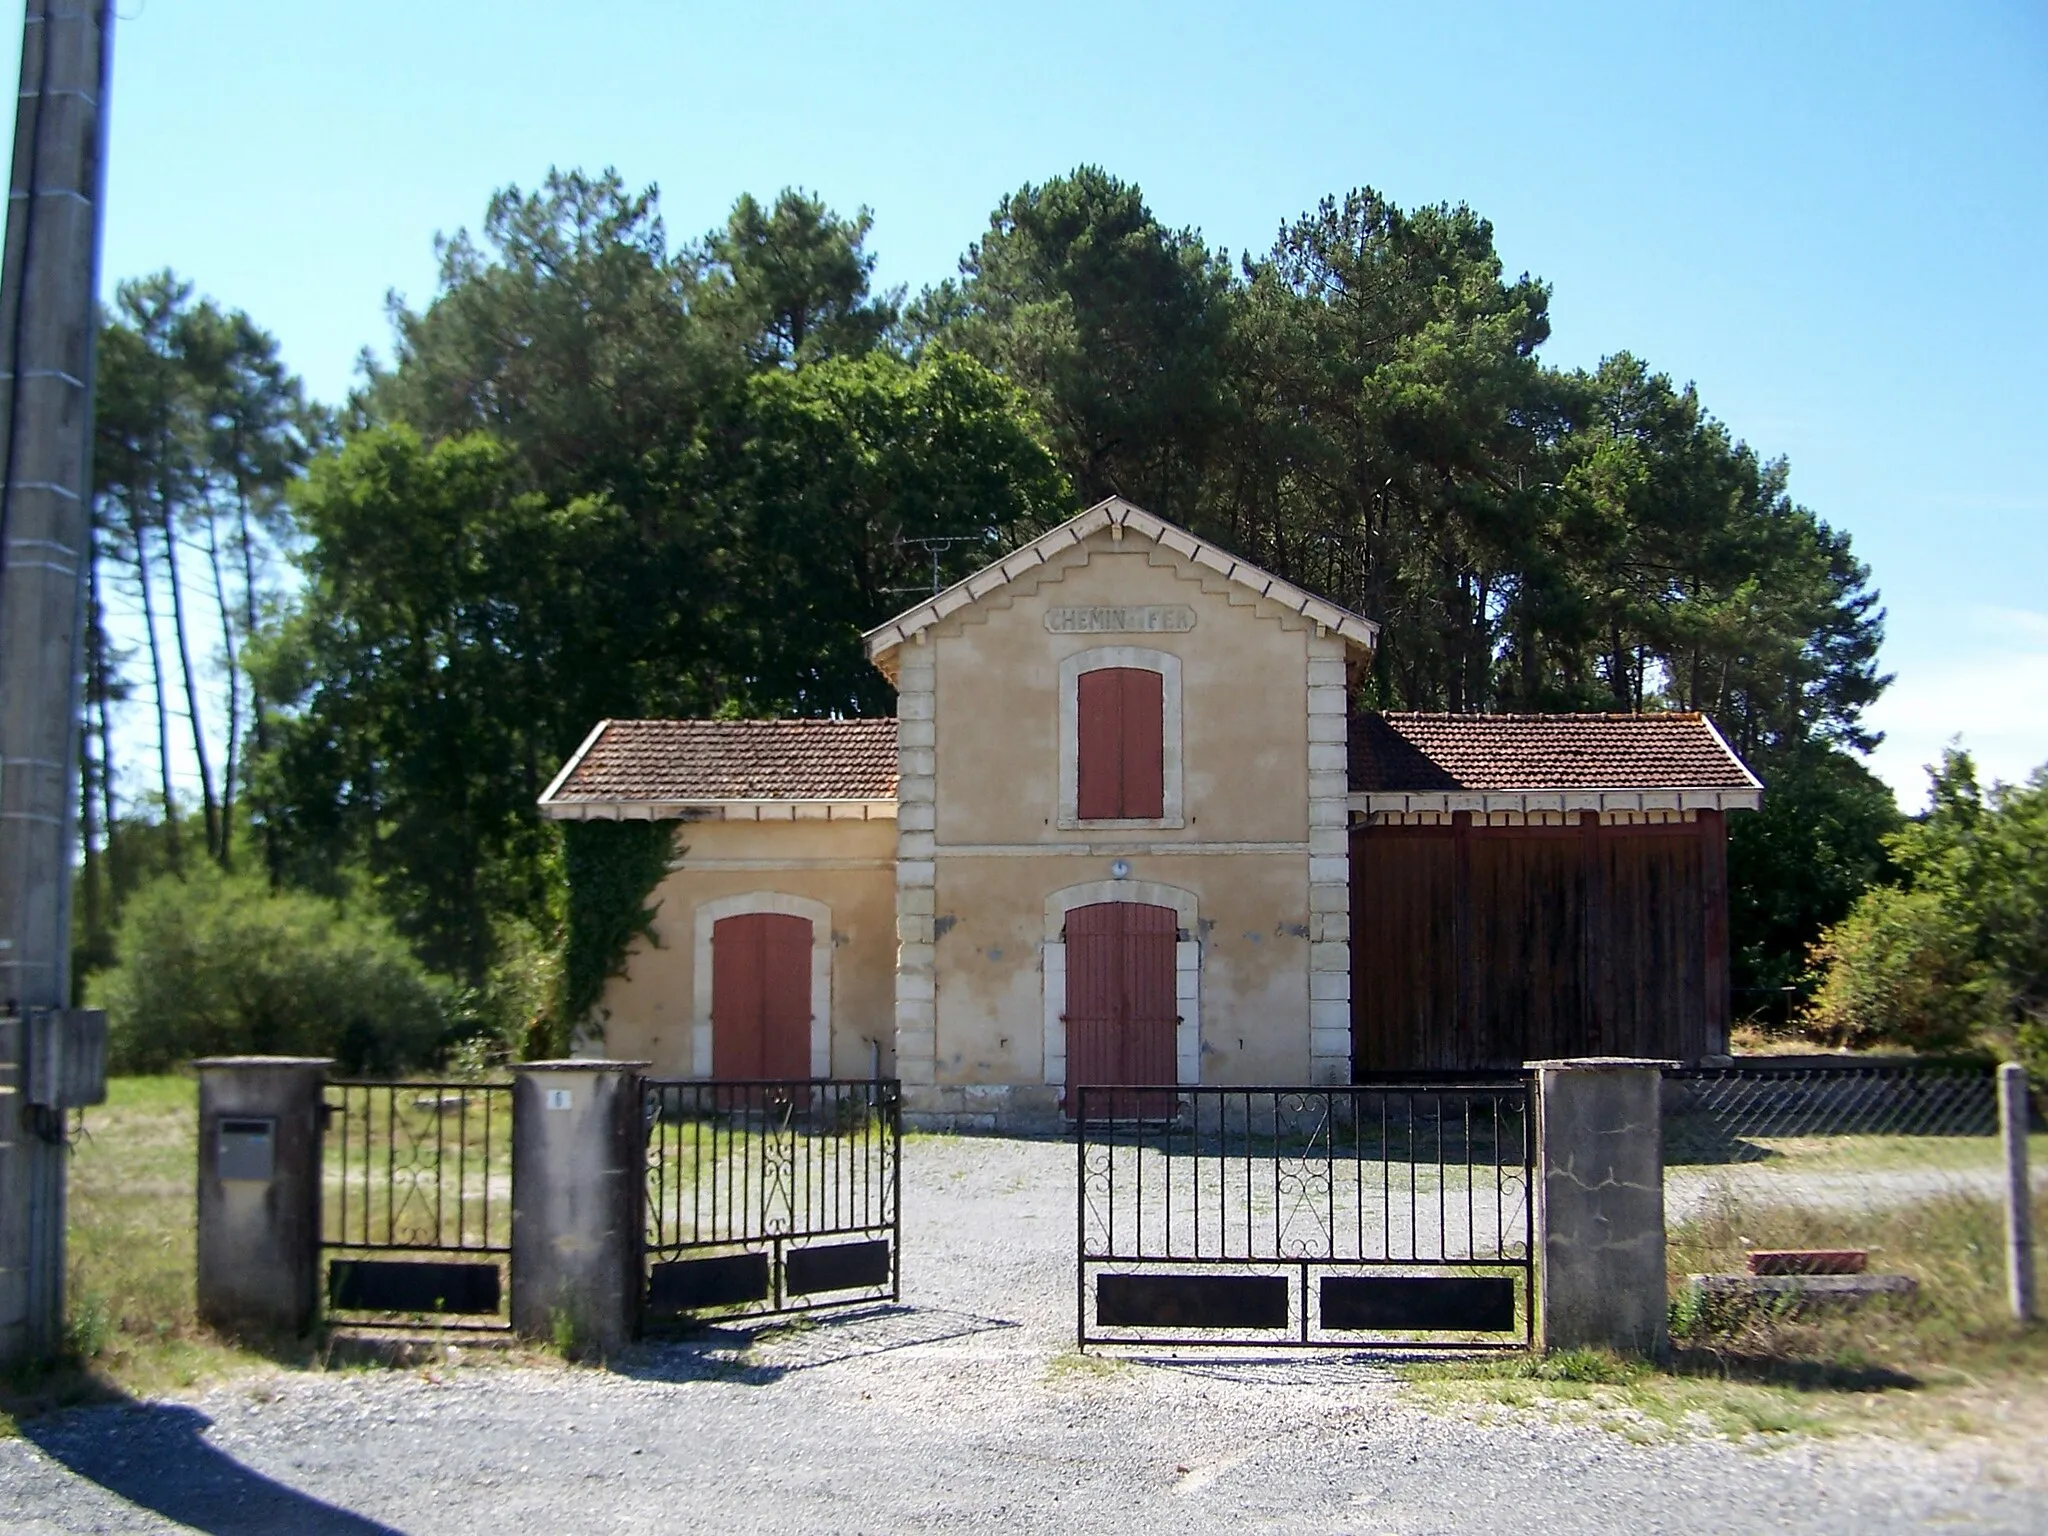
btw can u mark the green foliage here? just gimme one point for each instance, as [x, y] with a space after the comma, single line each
[1362, 411]
[612, 868]
[1798, 864]
[1959, 952]
[822, 474]
[214, 964]
[790, 283]
[198, 432]
[689, 492]
[1113, 324]
[610, 477]
[419, 668]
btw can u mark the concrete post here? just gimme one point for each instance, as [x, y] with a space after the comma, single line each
[49, 272]
[2013, 1115]
[1600, 1205]
[578, 1179]
[259, 1193]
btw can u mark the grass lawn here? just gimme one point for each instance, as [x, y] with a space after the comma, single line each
[1948, 1360]
[132, 1328]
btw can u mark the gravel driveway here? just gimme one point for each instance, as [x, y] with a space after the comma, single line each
[961, 1410]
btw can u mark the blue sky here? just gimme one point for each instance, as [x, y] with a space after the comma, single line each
[1831, 217]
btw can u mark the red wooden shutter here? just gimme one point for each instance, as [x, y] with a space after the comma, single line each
[1120, 721]
[785, 996]
[1121, 1001]
[1144, 744]
[1099, 722]
[1094, 992]
[735, 998]
[761, 996]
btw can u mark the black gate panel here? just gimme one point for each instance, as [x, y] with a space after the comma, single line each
[771, 1197]
[1453, 1303]
[408, 1286]
[684, 1285]
[836, 1267]
[1369, 1215]
[1191, 1301]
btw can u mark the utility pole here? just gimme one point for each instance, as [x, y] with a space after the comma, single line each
[49, 279]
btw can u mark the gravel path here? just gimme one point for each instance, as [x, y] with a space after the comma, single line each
[962, 1410]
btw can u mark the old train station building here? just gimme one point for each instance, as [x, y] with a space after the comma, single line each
[1125, 827]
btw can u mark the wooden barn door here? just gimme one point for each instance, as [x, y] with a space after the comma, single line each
[761, 996]
[1121, 1013]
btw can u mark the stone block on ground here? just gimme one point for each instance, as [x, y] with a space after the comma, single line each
[1803, 1291]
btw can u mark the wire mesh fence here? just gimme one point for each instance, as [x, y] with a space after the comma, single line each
[1884, 1168]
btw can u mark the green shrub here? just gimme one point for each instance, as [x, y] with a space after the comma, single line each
[1956, 953]
[1896, 971]
[216, 964]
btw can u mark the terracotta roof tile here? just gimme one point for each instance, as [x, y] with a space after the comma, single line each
[688, 761]
[1427, 753]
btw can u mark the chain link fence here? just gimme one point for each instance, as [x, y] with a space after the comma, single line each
[1898, 1163]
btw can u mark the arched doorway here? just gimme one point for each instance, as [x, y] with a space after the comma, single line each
[1122, 1012]
[761, 996]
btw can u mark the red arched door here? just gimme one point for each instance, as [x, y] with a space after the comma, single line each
[1120, 995]
[761, 996]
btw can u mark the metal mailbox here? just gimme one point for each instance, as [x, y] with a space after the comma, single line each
[248, 1149]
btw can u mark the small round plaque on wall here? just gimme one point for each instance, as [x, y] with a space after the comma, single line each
[1120, 869]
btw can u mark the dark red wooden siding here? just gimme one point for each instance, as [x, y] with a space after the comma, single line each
[1121, 1007]
[761, 996]
[1120, 719]
[1481, 947]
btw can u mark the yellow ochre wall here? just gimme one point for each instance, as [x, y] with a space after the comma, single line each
[999, 850]
[847, 865]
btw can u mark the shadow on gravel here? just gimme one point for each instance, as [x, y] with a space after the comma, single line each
[1795, 1374]
[1320, 1370]
[759, 1354]
[156, 1456]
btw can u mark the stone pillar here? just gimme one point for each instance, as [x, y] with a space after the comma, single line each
[259, 1193]
[1600, 1205]
[917, 1016]
[1329, 863]
[578, 1177]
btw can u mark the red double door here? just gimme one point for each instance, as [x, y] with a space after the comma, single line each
[1121, 1003]
[761, 996]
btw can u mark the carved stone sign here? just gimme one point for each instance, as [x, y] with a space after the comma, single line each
[1142, 619]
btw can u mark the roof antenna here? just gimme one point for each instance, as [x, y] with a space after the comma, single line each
[935, 547]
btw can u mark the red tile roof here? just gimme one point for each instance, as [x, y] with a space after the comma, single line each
[1427, 754]
[681, 762]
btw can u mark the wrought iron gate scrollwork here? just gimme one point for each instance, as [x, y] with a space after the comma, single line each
[416, 1201]
[771, 1196]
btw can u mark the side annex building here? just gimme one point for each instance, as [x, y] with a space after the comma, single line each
[1125, 828]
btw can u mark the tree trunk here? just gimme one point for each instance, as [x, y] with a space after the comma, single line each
[90, 775]
[227, 640]
[193, 713]
[140, 529]
[273, 856]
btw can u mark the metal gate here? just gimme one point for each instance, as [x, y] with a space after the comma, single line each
[771, 1197]
[1375, 1215]
[416, 1202]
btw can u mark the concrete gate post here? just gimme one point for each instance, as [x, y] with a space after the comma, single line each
[578, 1179]
[259, 1193]
[1600, 1279]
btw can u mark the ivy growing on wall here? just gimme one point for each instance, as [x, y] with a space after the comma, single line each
[612, 868]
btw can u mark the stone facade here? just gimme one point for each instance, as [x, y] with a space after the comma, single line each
[939, 894]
